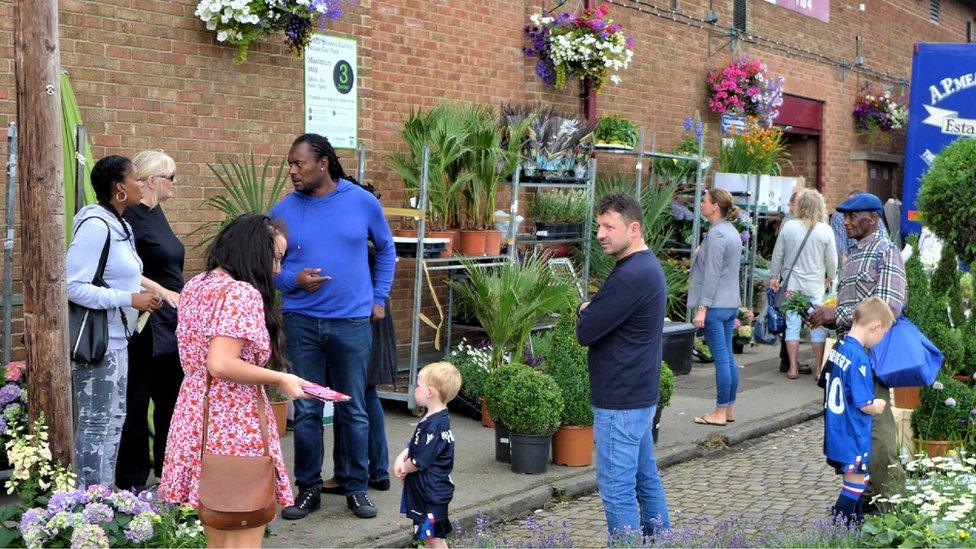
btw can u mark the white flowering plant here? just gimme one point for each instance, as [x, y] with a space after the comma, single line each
[587, 45]
[936, 509]
[474, 363]
[241, 22]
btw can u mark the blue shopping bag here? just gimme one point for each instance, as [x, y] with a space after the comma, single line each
[905, 357]
[775, 319]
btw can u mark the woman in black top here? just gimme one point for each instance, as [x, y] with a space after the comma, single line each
[154, 363]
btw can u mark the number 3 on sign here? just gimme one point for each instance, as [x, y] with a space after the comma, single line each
[835, 395]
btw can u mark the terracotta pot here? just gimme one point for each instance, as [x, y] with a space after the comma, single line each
[485, 416]
[280, 410]
[473, 243]
[409, 233]
[573, 446]
[936, 448]
[452, 243]
[907, 397]
[962, 378]
[493, 242]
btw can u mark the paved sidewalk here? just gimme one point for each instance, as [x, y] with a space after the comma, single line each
[782, 475]
[768, 401]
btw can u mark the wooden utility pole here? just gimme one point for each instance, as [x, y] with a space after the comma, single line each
[36, 70]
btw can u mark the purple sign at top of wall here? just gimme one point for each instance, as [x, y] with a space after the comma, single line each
[818, 9]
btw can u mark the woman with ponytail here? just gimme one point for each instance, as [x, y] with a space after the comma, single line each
[713, 295]
[100, 389]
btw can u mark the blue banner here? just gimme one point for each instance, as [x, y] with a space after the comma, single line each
[942, 108]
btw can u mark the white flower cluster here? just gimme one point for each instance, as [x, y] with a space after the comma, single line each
[585, 49]
[941, 489]
[473, 355]
[228, 17]
[30, 455]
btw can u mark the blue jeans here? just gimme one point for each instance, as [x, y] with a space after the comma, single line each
[338, 349]
[626, 471]
[719, 324]
[379, 452]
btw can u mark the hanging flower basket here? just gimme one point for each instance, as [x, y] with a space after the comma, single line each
[587, 46]
[878, 112]
[241, 22]
[744, 88]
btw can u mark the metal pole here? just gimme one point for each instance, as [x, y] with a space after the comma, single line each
[640, 165]
[651, 176]
[80, 138]
[588, 228]
[753, 247]
[696, 222]
[8, 243]
[418, 281]
[513, 214]
[361, 163]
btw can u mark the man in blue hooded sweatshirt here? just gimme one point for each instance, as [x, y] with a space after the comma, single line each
[328, 300]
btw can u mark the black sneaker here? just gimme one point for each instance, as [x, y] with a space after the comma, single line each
[308, 500]
[381, 485]
[361, 505]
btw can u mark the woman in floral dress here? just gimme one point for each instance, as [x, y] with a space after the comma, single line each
[228, 325]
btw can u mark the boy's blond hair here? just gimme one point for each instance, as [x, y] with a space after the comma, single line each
[444, 377]
[872, 309]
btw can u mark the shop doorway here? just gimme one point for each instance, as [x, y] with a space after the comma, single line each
[881, 179]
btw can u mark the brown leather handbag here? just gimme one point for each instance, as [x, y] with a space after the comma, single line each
[236, 492]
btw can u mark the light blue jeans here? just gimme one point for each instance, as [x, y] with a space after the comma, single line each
[719, 324]
[626, 471]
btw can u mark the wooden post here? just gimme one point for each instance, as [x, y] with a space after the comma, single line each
[36, 72]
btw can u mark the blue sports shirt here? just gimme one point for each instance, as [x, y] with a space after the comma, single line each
[429, 491]
[849, 387]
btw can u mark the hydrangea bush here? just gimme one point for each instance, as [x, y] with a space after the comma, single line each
[241, 22]
[743, 88]
[587, 45]
[13, 399]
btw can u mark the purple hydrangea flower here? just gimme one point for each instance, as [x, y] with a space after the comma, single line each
[65, 501]
[9, 393]
[140, 529]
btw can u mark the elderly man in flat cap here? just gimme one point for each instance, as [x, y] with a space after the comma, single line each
[874, 268]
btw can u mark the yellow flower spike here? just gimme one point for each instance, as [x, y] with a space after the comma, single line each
[963, 534]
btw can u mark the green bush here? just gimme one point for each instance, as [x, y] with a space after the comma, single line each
[472, 364]
[616, 130]
[495, 385]
[566, 363]
[942, 197]
[666, 386]
[944, 413]
[952, 344]
[531, 403]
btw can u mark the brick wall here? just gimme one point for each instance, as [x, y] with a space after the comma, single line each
[148, 74]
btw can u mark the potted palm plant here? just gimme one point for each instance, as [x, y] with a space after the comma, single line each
[572, 443]
[531, 407]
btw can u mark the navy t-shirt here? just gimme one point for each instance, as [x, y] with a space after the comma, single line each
[849, 387]
[431, 449]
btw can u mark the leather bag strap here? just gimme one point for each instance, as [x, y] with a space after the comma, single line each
[797, 258]
[262, 414]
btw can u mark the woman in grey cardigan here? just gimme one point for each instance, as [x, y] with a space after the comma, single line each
[713, 293]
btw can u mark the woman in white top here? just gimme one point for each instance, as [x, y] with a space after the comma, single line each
[815, 265]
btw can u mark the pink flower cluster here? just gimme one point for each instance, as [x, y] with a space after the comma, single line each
[743, 88]
[15, 370]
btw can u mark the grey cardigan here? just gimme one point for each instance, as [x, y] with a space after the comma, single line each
[715, 269]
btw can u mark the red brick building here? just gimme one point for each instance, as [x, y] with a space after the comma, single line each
[149, 75]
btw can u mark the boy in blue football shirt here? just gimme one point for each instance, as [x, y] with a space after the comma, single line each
[849, 404]
[425, 465]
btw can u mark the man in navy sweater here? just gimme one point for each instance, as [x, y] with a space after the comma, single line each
[328, 298]
[622, 326]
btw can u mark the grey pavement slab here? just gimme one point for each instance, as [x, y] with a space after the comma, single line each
[767, 401]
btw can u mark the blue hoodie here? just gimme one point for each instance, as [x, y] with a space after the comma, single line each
[331, 233]
[123, 270]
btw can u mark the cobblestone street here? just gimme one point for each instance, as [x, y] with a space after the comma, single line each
[779, 476]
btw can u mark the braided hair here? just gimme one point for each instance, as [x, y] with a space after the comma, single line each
[321, 146]
[104, 175]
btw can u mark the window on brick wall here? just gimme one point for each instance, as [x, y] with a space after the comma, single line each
[739, 15]
[934, 11]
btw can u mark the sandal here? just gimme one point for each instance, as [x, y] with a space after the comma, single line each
[793, 376]
[702, 420]
[806, 370]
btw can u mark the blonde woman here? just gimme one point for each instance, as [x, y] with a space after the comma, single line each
[806, 254]
[154, 363]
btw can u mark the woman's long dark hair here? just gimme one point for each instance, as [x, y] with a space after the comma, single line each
[322, 148]
[245, 248]
[104, 175]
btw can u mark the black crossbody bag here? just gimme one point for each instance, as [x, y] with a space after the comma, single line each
[88, 328]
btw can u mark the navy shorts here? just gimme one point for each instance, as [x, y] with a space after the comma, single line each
[431, 528]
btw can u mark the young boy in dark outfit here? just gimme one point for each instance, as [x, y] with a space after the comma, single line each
[849, 403]
[425, 465]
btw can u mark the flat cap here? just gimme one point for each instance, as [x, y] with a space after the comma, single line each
[863, 202]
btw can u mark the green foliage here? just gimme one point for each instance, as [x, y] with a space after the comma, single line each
[944, 276]
[532, 403]
[945, 198]
[918, 285]
[247, 187]
[495, 386]
[616, 130]
[509, 300]
[566, 362]
[676, 275]
[943, 414]
[560, 206]
[952, 344]
[666, 386]
[472, 363]
[275, 394]
[969, 354]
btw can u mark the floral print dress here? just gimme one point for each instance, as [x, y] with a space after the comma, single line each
[234, 428]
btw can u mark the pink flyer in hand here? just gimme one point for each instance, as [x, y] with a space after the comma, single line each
[325, 394]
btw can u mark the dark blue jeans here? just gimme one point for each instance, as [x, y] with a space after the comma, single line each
[379, 452]
[338, 349]
[719, 324]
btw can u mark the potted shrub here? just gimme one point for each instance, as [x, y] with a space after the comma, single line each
[941, 422]
[565, 361]
[666, 391]
[940, 198]
[495, 386]
[472, 363]
[279, 406]
[617, 132]
[531, 405]
[742, 332]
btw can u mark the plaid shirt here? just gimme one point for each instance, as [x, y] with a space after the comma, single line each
[874, 268]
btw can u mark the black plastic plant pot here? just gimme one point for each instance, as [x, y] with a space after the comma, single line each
[530, 453]
[548, 231]
[502, 443]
